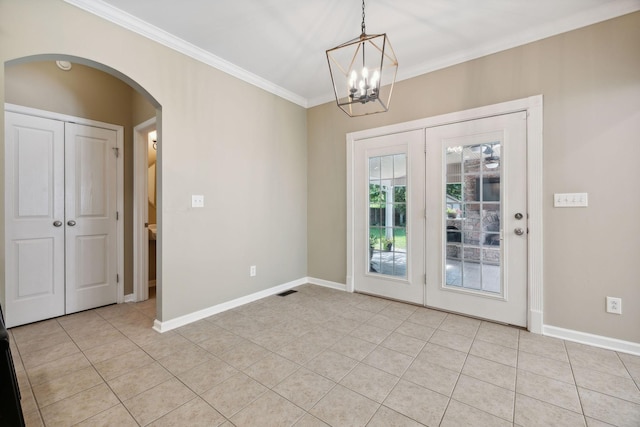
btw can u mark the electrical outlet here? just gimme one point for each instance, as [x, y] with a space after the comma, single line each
[252, 271]
[614, 305]
[197, 201]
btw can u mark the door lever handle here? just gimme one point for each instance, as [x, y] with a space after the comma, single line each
[71, 223]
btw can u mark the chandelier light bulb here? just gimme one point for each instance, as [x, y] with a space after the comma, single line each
[352, 80]
[375, 79]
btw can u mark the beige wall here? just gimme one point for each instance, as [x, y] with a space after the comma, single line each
[242, 148]
[590, 80]
[91, 94]
[255, 157]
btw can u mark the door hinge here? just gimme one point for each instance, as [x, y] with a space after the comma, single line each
[425, 278]
[117, 216]
[117, 278]
[116, 151]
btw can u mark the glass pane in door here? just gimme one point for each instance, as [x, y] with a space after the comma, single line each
[473, 212]
[388, 215]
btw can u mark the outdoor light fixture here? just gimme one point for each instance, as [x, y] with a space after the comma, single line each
[492, 161]
[363, 71]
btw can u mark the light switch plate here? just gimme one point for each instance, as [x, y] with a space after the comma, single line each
[197, 201]
[570, 200]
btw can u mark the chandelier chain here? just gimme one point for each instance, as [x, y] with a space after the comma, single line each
[363, 26]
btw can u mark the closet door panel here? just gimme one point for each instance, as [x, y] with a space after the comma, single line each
[34, 215]
[90, 176]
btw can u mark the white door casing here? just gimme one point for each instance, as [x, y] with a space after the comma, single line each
[533, 108]
[42, 293]
[34, 219]
[90, 220]
[140, 210]
[495, 292]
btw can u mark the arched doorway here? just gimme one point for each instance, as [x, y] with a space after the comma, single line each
[97, 92]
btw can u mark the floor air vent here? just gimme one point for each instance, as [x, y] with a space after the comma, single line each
[285, 293]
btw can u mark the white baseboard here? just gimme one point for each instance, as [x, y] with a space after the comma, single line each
[130, 298]
[219, 308]
[535, 324]
[593, 340]
[327, 283]
[548, 330]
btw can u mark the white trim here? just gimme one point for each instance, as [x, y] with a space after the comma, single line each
[606, 11]
[326, 283]
[547, 330]
[351, 197]
[138, 26]
[119, 174]
[533, 106]
[534, 207]
[120, 209]
[140, 215]
[592, 340]
[14, 108]
[528, 35]
[169, 325]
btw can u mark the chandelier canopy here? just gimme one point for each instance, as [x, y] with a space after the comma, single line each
[363, 71]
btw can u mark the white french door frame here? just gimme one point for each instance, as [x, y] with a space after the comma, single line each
[533, 107]
[119, 174]
[140, 209]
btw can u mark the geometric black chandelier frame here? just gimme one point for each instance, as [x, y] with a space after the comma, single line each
[363, 72]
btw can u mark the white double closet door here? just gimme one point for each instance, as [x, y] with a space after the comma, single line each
[60, 218]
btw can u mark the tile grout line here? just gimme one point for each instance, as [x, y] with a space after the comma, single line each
[325, 305]
[575, 381]
[104, 380]
[173, 376]
[515, 396]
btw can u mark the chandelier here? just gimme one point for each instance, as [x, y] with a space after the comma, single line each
[363, 71]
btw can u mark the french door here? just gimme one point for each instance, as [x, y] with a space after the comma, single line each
[441, 217]
[389, 204]
[60, 218]
[476, 212]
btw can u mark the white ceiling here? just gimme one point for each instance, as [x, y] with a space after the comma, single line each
[280, 45]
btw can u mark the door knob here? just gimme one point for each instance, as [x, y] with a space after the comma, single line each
[71, 223]
[57, 223]
[519, 231]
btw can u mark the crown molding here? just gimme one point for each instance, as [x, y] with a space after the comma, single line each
[604, 12]
[589, 17]
[143, 28]
[592, 16]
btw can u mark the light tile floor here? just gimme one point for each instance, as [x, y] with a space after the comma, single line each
[314, 358]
